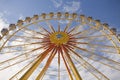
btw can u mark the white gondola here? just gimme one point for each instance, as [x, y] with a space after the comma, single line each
[43, 15]
[97, 23]
[35, 17]
[4, 31]
[113, 30]
[59, 14]
[118, 36]
[82, 19]
[67, 15]
[90, 19]
[20, 23]
[51, 14]
[105, 26]
[27, 19]
[74, 15]
[12, 27]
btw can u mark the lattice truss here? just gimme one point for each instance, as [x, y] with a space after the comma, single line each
[58, 46]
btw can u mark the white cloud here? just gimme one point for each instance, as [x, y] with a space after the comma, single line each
[57, 3]
[21, 16]
[4, 13]
[71, 6]
[3, 21]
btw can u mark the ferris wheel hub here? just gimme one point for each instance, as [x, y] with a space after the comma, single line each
[59, 38]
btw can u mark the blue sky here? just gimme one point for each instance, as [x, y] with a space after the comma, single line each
[105, 10]
[108, 11]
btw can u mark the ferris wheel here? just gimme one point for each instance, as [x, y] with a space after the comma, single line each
[57, 46]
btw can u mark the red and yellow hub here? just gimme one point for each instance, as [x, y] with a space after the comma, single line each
[59, 38]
